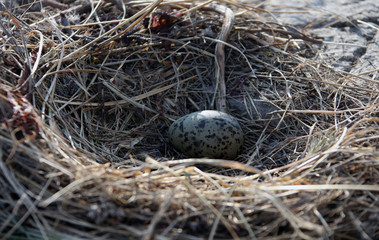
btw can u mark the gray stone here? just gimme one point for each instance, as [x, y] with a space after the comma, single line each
[347, 27]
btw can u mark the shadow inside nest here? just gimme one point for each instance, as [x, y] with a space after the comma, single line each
[129, 93]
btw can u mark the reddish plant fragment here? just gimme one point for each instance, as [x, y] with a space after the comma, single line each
[17, 113]
[163, 22]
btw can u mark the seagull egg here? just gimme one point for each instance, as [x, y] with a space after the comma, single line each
[208, 133]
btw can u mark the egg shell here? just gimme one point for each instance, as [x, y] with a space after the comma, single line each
[208, 133]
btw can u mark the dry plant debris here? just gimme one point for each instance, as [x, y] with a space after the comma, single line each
[89, 89]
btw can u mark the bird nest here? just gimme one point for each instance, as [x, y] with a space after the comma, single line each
[89, 89]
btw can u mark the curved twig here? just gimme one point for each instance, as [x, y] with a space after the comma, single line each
[220, 88]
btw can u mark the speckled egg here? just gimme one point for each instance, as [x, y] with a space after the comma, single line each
[208, 133]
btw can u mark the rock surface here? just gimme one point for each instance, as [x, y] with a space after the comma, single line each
[348, 28]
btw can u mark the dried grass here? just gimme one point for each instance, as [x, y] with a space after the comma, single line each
[100, 165]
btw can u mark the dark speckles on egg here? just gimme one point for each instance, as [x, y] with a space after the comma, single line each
[202, 123]
[211, 134]
[181, 128]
